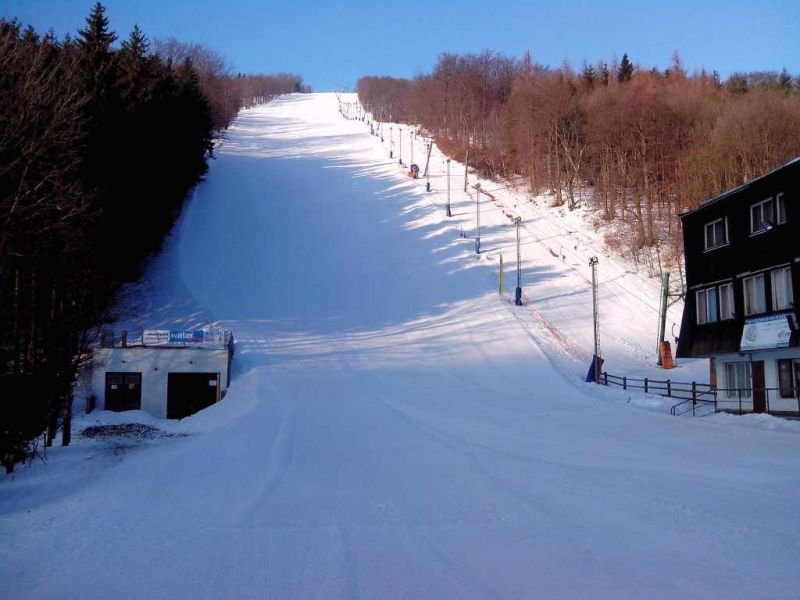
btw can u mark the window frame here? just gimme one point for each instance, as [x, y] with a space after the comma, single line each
[777, 208]
[780, 209]
[790, 391]
[748, 312]
[790, 291]
[730, 299]
[706, 316]
[724, 242]
[732, 391]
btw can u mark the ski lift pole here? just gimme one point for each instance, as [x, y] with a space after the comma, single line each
[518, 291]
[662, 325]
[411, 143]
[593, 263]
[478, 218]
[427, 169]
[449, 214]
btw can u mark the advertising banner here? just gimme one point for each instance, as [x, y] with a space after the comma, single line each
[155, 337]
[764, 333]
[201, 337]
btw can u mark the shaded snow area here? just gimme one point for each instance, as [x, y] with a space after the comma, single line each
[395, 428]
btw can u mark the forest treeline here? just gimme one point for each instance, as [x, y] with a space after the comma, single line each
[99, 145]
[640, 145]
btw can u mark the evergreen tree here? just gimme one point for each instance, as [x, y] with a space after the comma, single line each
[94, 42]
[588, 76]
[785, 81]
[134, 70]
[625, 69]
[737, 84]
[604, 73]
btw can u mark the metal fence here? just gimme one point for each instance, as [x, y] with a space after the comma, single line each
[702, 398]
[773, 401]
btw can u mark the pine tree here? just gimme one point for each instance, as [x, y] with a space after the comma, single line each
[96, 37]
[94, 42]
[737, 84]
[134, 67]
[604, 73]
[625, 69]
[588, 76]
[785, 81]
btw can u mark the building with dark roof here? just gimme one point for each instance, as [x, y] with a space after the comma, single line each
[742, 253]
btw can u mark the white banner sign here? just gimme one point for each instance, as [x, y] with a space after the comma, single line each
[200, 337]
[763, 333]
[155, 337]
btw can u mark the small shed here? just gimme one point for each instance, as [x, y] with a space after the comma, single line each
[169, 374]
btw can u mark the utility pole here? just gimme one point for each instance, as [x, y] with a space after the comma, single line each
[478, 218]
[449, 214]
[391, 143]
[518, 291]
[595, 317]
[400, 157]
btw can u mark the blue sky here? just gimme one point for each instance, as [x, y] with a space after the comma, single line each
[331, 44]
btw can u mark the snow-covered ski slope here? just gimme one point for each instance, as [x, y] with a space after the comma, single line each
[395, 429]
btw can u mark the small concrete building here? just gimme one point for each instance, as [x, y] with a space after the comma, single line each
[169, 374]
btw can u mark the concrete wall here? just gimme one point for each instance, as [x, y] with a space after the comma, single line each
[155, 364]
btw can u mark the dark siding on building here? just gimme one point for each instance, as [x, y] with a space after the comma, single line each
[744, 253]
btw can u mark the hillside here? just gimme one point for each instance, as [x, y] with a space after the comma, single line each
[395, 427]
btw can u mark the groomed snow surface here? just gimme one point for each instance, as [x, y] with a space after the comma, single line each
[395, 428]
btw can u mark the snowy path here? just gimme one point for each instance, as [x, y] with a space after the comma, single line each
[394, 429]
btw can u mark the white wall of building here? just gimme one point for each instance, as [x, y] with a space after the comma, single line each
[770, 358]
[155, 364]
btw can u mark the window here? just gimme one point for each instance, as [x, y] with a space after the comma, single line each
[706, 306]
[788, 372]
[754, 295]
[782, 297]
[737, 376]
[726, 308]
[766, 214]
[716, 233]
[781, 208]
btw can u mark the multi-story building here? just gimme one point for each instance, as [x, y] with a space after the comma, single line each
[742, 252]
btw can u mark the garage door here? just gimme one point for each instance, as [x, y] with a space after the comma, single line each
[188, 393]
